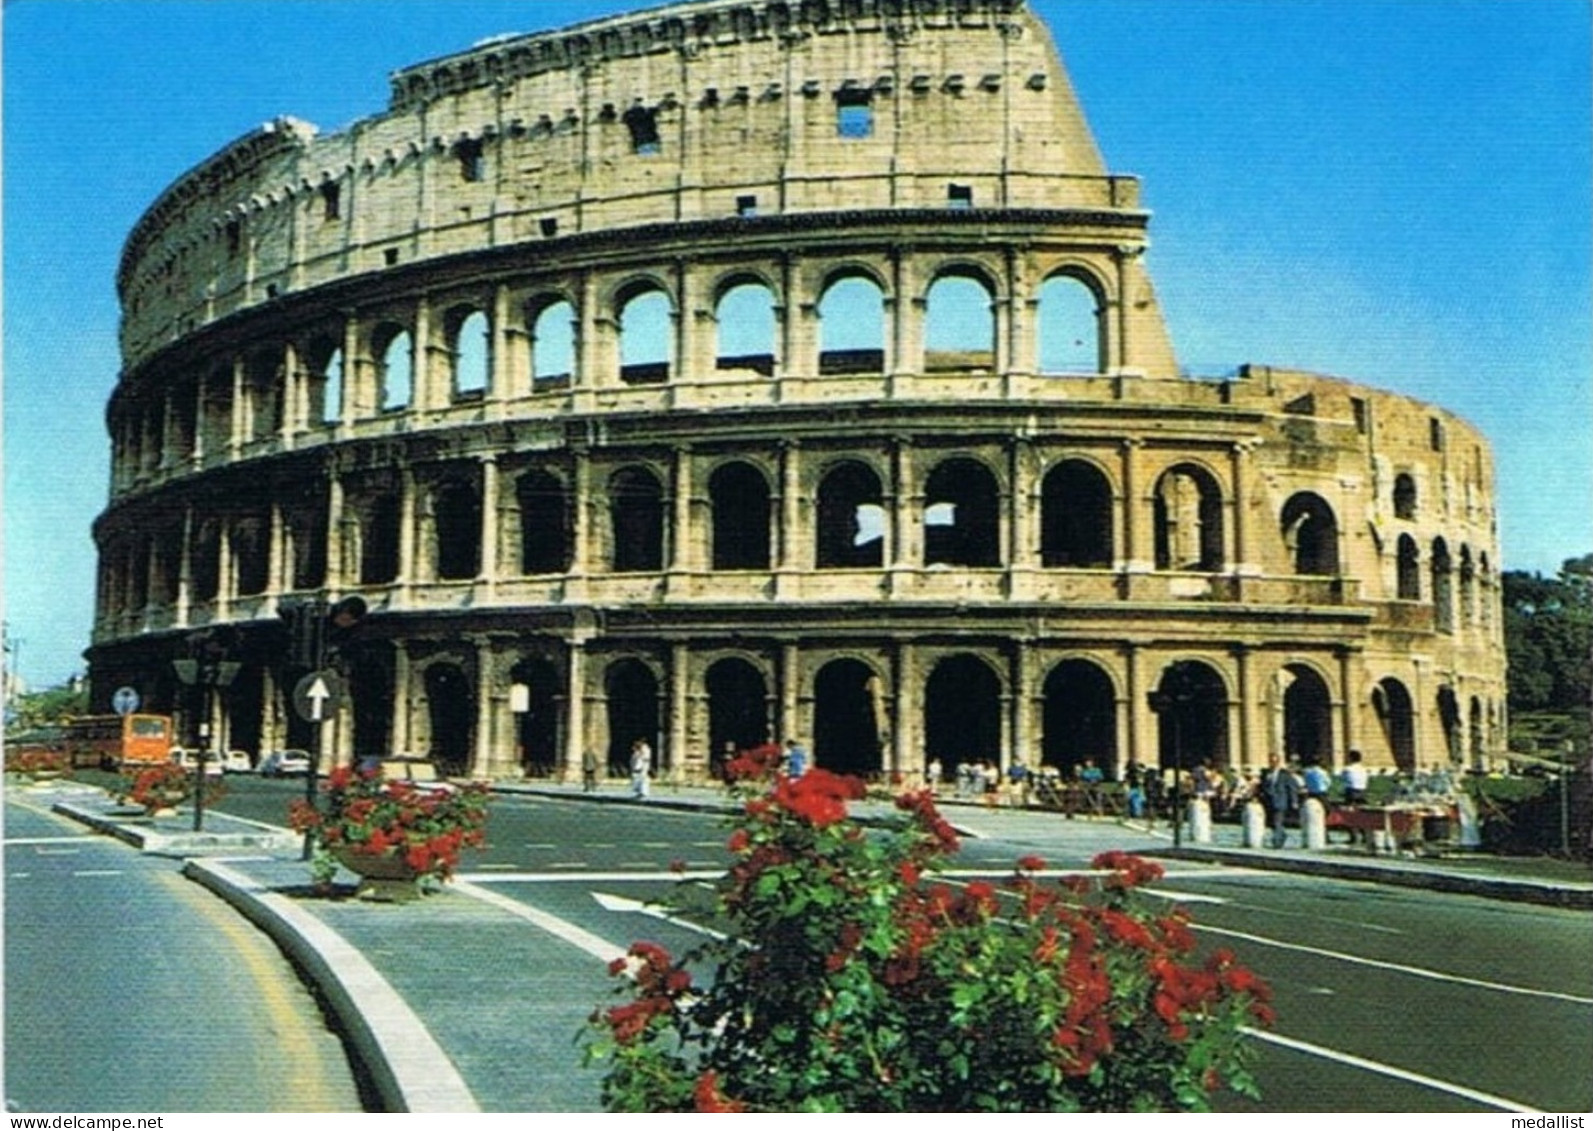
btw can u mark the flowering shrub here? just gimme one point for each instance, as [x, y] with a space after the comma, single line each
[850, 980]
[37, 761]
[368, 815]
[163, 785]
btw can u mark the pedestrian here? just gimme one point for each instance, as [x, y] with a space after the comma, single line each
[641, 767]
[1280, 796]
[1134, 778]
[934, 776]
[1355, 779]
[796, 759]
[1317, 782]
[588, 770]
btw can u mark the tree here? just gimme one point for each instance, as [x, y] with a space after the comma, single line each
[1549, 637]
[50, 707]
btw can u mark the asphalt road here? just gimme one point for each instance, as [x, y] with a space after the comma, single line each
[129, 989]
[1389, 999]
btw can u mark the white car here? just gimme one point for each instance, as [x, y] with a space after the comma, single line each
[188, 758]
[285, 763]
[237, 762]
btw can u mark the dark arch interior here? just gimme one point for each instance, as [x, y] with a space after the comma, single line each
[962, 713]
[846, 718]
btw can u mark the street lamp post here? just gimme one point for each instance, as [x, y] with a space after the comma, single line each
[1169, 702]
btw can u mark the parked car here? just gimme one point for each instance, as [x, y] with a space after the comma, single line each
[419, 772]
[188, 758]
[284, 763]
[237, 762]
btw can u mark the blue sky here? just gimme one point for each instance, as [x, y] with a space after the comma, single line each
[1394, 191]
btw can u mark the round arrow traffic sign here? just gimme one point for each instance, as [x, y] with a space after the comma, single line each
[124, 701]
[317, 696]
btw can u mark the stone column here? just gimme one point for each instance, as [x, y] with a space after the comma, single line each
[356, 378]
[1138, 541]
[1023, 730]
[293, 396]
[1143, 738]
[279, 569]
[489, 522]
[683, 556]
[1348, 737]
[788, 724]
[238, 425]
[675, 756]
[575, 710]
[335, 564]
[185, 569]
[1239, 461]
[503, 381]
[792, 538]
[403, 702]
[489, 706]
[1248, 700]
[408, 519]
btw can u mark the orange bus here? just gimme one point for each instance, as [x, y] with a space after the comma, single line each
[113, 742]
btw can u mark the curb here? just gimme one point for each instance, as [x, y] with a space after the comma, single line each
[178, 844]
[1487, 887]
[408, 1069]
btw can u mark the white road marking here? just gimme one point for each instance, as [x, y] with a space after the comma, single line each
[548, 845]
[584, 877]
[26, 840]
[98, 872]
[1314, 917]
[1389, 1070]
[57, 851]
[598, 948]
[1397, 967]
[1182, 896]
[635, 906]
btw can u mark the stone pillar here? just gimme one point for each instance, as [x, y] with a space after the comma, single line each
[905, 503]
[408, 519]
[1248, 700]
[238, 424]
[356, 378]
[1138, 539]
[185, 569]
[683, 557]
[788, 723]
[489, 522]
[1241, 562]
[403, 702]
[679, 713]
[1023, 730]
[1344, 722]
[908, 755]
[793, 539]
[904, 345]
[575, 711]
[336, 566]
[1142, 722]
[582, 502]
[423, 374]
[503, 380]
[1021, 551]
[294, 396]
[279, 569]
[489, 705]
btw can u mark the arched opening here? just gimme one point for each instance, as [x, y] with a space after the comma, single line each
[962, 515]
[959, 325]
[206, 564]
[397, 375]
[1070, 338]
[738, 705]
[539, 729]
[646, 330]
[326, 393]
[851, 518]
[371, 701]
[457, 524]
[746, 329]
[633, 713]
[1080, 719]
[1468, 587]
[1311, 534]
[962, 714]
[1408, 583]
[636, 519]
[848, 718]
[251, 553]
[1443, 596]
[553, 346]
[1391, 703]
[470, 346]
[1191, 706]
[244, 702]
[739, 495]
[1307, 716]
[1404, 496]
[263, 388]
[852, 327]
[1188, 520]
[379, 541]
[451, 708]
[1479, 744]
[1075, 517]
[305, 511]
[1449, 721]
[544, 523]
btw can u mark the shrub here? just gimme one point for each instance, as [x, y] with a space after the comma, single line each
[164, 785]
[850, 980]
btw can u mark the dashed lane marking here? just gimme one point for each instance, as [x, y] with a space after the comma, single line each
[22, 841]
[97, 872]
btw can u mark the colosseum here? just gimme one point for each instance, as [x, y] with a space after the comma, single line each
[758, 367]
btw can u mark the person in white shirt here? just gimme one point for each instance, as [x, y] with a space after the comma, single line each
[641, 767]
[1355, 779]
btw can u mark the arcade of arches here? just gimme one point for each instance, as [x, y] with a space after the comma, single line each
[881, 711]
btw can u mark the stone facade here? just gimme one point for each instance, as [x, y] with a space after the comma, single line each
[751, 368]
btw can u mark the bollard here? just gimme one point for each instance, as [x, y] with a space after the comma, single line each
[1470, 823]
[1313, 823]
[1255, 825]
[1200, 820]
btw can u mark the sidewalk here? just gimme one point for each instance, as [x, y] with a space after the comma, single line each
[410, 984]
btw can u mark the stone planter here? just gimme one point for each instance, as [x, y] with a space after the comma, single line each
[387, 878]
